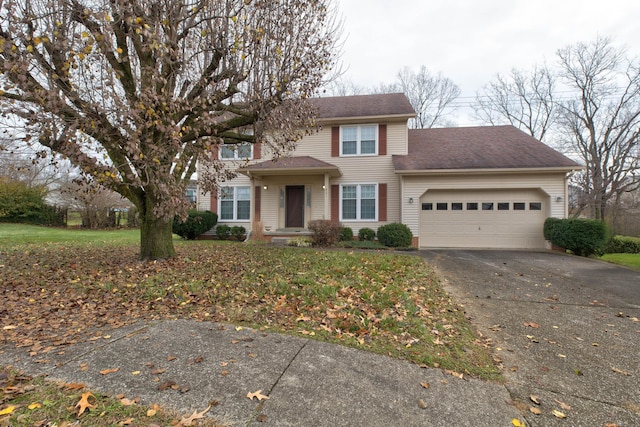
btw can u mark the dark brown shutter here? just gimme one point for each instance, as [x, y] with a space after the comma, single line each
[257, 151]
[257, 199]
[335, 141]
[214, 202]
[382, 202]
[382, 140]
[335, 203]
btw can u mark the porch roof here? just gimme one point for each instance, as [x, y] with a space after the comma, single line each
[306, 165]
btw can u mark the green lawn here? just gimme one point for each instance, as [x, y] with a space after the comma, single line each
[21, 233]
[628, 260]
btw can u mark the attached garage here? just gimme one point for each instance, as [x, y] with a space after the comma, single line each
[492, 218]
[481, 187]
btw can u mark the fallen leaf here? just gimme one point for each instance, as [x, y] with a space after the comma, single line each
[535, 399]
[127, 422]
[188, 421]
[135, 373]
[262, 418]
[74, 386]
[35, 405]
[84, 404]
[424, 385]
[621, 372]
[258, 395]
[558, 414]
[531, 325]
[166, 385]
[422, 404]
[109, 371]
[158, 371]
[9, 327]
[153, 410]
[127, 402]
[8, 410]
[563, 405]
[534, 410]
[171, 358]
[517, 423]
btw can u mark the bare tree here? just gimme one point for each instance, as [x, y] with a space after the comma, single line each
[601, 119]
[430, 95]
[137, 92]
[344, 87]
[96, 204]
[523, 99]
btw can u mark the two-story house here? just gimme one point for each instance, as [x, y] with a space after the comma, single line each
[454, 187]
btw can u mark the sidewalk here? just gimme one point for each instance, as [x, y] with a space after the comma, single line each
[184, 365]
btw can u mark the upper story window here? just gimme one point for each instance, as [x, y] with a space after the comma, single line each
[359, 140]
[240, 151]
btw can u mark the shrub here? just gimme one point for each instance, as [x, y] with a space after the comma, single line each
[583, 237]
[20, 203]
[366, 234]
[623, 245]
[325, 232]
[223, 231]
[395, 235]
[238, 232]
[197, 223]
[346, 234]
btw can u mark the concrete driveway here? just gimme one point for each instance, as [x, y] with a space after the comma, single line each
[565, 329]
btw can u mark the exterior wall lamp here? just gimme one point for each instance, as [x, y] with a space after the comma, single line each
[265, 187]
[410, 200]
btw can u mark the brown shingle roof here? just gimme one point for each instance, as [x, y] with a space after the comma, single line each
[487, 147]
[288, 165]
[390, 104]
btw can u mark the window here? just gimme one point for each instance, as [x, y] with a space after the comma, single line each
[191, 195]
[359, 140]
[503, 206]
[427, 206]
[242, 151]
[359, 202]
[518, 206]
[535, 206]
[472, 206]
[456, 206]
[442, 206]
[487, 206]
[235, 203]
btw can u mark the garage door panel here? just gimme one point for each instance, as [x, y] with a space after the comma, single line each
[482, 228]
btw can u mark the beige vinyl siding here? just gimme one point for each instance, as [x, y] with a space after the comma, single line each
[550, 186]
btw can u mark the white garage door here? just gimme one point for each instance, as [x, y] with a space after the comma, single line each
[483, 218]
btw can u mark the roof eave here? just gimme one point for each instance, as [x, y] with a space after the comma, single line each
[489, 171]
[378, 118]
[260, 173]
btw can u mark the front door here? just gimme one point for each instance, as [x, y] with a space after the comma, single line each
[295, 206]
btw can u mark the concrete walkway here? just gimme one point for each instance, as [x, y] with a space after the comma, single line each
[184, 365]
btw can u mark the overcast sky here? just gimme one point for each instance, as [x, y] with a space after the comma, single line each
[470, 41]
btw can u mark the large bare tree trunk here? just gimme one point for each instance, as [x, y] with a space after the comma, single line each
[156, 236]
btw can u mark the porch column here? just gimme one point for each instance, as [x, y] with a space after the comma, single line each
[327, 197]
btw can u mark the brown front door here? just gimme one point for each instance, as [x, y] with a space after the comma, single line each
[295, 206]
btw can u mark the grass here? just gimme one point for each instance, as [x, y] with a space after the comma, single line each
[376, 301]
[32, 402]
[20, 234]
[628, 260]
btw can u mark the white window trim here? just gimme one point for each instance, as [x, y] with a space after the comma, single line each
[359, 140]
[358, 217]
[235, 152]
[235, 204]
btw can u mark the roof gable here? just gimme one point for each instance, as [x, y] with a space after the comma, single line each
[486, 147]
[390, 104]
